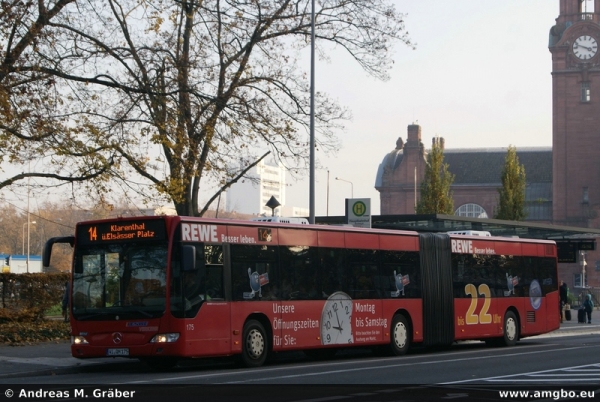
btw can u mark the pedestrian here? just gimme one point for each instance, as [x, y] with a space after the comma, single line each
[564, 298]
[65, 302]
[588, 305]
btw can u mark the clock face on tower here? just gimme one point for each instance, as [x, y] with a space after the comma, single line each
[585, 47]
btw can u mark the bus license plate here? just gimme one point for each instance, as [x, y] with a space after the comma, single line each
[117, 352]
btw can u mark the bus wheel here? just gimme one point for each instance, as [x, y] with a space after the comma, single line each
[255, 345]
[400, 339]
[511, 329]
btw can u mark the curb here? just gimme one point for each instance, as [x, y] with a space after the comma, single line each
[86, 368]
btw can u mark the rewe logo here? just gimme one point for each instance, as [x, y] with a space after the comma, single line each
[462, 246]
[198, 232]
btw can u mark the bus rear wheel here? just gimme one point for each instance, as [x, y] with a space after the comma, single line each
[511, 329]
[255, 345]
[510, 332]
[400, 336]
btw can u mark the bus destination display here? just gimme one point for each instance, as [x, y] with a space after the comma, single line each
[121, 231]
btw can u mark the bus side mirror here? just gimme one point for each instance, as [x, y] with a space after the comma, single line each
[46, 254]
[188, 258]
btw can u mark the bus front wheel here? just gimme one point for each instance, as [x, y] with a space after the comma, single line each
[255, 345]
[400, 337]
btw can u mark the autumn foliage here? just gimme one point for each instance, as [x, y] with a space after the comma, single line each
[25, 299]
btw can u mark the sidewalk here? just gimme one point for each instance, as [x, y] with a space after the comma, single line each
[48, 358]
[51, 358]
[572, 327]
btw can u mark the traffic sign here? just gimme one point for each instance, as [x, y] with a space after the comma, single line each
[358, 212]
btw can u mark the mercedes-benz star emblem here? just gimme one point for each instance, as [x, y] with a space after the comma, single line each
[117, 337]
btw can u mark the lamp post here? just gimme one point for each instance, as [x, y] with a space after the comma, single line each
[272, 203]
[351, 185]
[311, 188]
[327, 192]
[583, 263]
[27, 224]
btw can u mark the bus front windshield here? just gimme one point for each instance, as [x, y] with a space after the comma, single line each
[126, 280]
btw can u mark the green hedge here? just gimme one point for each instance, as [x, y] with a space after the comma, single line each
[23, 333]
[25, 300]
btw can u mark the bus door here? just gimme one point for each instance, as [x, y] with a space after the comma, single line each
[207, 314]
[301, 298]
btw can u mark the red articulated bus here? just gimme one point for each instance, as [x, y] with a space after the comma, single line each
[164, 288]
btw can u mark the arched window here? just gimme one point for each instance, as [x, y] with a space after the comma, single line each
[471, 210]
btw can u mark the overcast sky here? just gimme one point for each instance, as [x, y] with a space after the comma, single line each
[479, 77]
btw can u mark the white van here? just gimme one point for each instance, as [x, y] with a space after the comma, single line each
[471, 232]
[281, 219]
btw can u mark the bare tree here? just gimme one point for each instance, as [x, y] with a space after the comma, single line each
[32, 122]
[163, 97]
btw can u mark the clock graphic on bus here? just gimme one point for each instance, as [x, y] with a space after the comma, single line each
[336, 320]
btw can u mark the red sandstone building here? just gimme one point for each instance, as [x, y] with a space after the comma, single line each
[563, 183]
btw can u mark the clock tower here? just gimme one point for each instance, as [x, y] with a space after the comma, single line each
[576, 113]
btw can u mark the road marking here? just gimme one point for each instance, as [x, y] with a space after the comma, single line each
[554, 375]
[405, 362]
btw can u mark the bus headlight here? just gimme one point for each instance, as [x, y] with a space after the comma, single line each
[165, 338]
[78, 340]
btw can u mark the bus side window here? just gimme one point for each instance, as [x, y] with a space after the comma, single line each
[191, 284]
[332, 271]
[400, 272]
[299, 275]
[252, 268]
[363, 286]
[214, 282]
[239, 277]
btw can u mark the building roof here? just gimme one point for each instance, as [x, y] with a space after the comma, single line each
[484, 165]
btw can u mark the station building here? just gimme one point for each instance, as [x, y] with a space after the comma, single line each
[563, 182]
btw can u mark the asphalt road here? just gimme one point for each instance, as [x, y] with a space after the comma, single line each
[568, 359]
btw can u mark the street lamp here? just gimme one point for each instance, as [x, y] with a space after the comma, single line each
[327, 192]
[27, 224]
[272, 203]
[311, 187]
[583, 263]
[351, 185]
